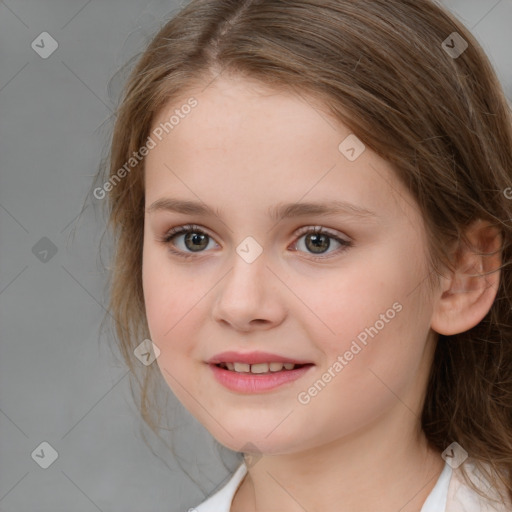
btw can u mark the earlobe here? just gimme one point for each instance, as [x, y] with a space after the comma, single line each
[466, 296]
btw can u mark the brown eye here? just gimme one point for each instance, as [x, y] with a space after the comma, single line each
[194, 240]
[318, 241]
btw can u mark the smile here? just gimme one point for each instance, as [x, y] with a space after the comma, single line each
[258, 367]
[248, 378]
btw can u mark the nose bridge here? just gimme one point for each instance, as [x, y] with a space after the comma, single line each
[245, 294]
[248, 268]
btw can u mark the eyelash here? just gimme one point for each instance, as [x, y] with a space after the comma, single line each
[192, 228]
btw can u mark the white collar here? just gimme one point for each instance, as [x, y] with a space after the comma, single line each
[450, 493]
[221, 500]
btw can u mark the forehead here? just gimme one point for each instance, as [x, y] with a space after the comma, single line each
[265, 145]
[238, 113]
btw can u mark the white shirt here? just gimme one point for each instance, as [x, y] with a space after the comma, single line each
[450, 494]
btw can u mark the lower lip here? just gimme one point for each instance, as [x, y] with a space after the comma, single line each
[254, 382]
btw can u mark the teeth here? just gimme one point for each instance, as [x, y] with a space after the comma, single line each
[242, 367]
[258, 367]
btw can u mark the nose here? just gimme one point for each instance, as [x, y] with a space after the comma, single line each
[250, 296]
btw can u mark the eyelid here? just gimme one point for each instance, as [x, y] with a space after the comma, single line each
[200, 229]
[344, 243]
[184, 228]
[320, 229]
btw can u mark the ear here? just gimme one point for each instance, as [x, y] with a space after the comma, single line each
[467, 294]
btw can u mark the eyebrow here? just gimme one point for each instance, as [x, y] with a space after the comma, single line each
[276, 213]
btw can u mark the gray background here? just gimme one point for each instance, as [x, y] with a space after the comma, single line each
[59, 381]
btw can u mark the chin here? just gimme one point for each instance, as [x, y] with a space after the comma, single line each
[256, 441]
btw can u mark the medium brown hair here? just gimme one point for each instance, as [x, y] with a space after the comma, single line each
[379, 66]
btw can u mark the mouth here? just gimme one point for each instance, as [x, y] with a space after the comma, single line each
[260, 368]
[256, 378]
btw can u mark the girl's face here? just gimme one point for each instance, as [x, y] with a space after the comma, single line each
[349, 301]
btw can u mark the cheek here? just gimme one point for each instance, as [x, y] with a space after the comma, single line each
[373, 332]
[171, 317]
[165, 298]
[174, 297]
[159, 300]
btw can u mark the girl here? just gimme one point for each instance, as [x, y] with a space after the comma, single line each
[311, 206]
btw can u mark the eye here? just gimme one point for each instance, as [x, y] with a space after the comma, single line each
[196, 240]
[318, 241]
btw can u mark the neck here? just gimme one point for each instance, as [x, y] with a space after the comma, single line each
[366, 472]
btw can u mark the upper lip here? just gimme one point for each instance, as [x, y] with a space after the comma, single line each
[253, 358]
